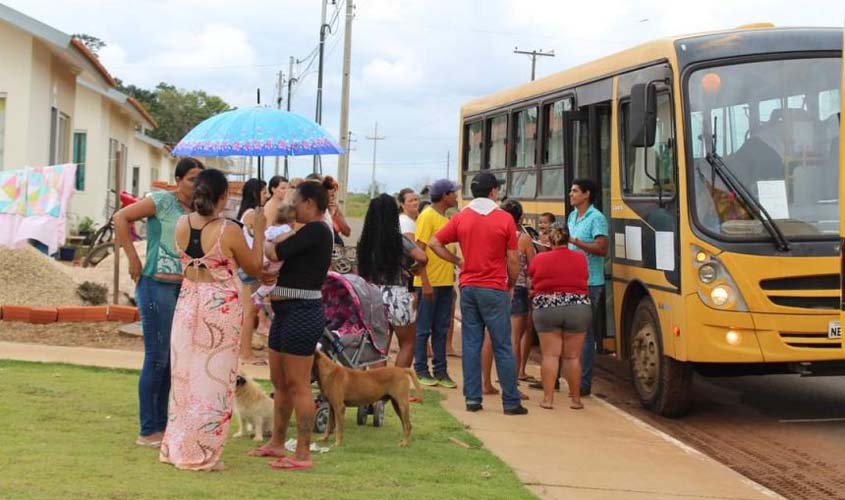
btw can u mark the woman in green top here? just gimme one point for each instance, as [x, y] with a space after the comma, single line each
[156, 290]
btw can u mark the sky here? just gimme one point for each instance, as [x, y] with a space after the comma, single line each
[414, 62]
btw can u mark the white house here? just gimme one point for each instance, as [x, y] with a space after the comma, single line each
[59, 104]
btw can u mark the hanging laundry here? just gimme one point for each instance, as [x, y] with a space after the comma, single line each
[33, 205]
[12, 189]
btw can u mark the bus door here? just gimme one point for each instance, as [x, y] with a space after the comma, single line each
[590, 145]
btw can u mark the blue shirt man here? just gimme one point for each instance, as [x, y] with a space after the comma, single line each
[588, 234]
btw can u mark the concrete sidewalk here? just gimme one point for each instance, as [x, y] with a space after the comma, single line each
[593, 454]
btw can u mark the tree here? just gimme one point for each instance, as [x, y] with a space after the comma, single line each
[177, 111]
[93, 43]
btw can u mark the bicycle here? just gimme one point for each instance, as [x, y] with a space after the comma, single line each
[101, 243]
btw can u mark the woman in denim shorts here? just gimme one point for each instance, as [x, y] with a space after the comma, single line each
[520, 310]
[562, 313]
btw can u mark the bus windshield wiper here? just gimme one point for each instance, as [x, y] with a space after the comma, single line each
[748, 199]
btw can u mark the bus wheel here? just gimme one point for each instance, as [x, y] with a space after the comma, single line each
[662, 383]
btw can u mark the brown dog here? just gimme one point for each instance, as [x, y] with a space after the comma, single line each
[344, 387]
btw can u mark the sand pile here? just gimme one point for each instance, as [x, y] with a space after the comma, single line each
[28, 277]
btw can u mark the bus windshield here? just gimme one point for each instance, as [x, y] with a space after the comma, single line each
[776, 126]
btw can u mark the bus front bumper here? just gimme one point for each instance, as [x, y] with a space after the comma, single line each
[714, 336]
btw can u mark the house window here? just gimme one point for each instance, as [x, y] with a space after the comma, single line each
[80, 146]
[59, 136]
[136, 180]
[64, 139]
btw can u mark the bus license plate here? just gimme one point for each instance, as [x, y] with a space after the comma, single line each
[834, 330]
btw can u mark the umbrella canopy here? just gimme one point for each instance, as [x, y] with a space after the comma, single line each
[257, 131]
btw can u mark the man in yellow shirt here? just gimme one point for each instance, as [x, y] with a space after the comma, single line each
[435, 294]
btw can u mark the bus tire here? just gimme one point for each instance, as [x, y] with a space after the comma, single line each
[663, 384]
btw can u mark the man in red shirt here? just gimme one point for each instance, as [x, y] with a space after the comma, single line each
[487, 236]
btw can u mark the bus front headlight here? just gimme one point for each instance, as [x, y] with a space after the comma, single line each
[707, 273]
[716, 286]
[720, 295]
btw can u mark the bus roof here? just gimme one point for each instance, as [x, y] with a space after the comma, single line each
[655, 50]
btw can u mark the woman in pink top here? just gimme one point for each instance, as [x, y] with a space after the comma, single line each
[562, 313]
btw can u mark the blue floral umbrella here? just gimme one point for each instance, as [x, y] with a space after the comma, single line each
[257, 131]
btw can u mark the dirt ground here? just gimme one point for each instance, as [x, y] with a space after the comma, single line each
[104, 335]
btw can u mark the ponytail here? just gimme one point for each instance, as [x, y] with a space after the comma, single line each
[211, 185]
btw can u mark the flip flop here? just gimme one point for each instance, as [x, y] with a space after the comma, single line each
[414, 399]
[546, 406]
[287, 463]
[265, 452]
[255, 361]
[528, 378]
[577, 406]
[491, 392]
[453, 354]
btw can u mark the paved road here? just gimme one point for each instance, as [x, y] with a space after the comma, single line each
[783, 431]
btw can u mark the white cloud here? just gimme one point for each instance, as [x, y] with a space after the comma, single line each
[400, 75]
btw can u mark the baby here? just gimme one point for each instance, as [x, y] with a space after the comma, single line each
[278, 232]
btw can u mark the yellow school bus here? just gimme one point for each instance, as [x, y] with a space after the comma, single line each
[841, 193]
[717, 160]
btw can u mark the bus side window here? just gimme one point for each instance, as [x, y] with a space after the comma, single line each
[642, 181]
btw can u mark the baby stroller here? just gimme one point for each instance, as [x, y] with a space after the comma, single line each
[355, 336]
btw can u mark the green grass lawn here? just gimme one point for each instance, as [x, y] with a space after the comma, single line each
[69, 432]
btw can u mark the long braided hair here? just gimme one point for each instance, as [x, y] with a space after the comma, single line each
[380, 250]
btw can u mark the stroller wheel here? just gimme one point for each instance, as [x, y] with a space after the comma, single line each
[321, 418]
[378, 414]
[362, 415]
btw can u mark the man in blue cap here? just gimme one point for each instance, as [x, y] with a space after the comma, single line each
[435, 294]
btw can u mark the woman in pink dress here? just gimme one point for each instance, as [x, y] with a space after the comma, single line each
[206, 326]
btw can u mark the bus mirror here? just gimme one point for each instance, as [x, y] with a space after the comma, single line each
[642, 118]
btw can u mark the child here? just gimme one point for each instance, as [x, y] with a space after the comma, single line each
[546, 220]
[276, 233]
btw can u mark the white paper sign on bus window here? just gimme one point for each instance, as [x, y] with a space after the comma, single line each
[772, 195]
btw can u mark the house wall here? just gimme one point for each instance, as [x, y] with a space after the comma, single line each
[15, 52]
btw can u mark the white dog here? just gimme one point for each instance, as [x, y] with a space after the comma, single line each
[254, 409]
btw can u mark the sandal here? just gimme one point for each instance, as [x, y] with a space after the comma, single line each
[262, 451]
[527, 378]
[490, 392]
[576, 406]
[255, 361]
[287, 463]
[547, 406]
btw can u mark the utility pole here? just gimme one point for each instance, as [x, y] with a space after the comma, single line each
[318, 167]
[345, 133]
[258, 102]
[534, 54]
[375, 138]
[448, 163]
[291, 81]
[279, 88]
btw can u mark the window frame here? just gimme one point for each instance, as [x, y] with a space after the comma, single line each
[542, 168]
[466, 148]
[512, 170]
[79, 178]
[488, 118]
[662, 89]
